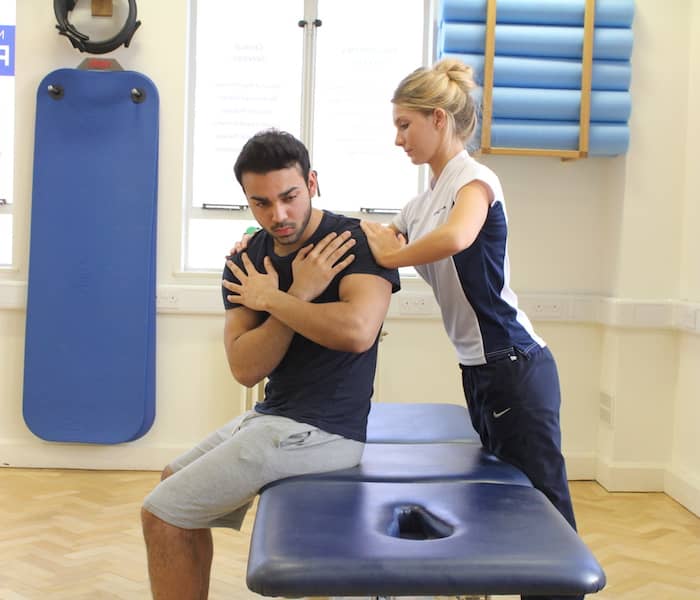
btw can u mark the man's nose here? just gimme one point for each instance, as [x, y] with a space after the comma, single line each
[279, 213]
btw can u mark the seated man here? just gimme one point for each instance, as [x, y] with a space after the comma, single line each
[305, 314]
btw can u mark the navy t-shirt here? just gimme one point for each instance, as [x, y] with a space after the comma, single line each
[313, 384]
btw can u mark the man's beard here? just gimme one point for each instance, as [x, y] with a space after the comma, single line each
[294, 237]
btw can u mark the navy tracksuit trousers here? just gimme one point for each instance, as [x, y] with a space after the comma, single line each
[514, 406]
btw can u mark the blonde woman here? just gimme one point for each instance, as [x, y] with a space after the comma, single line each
[455, 235]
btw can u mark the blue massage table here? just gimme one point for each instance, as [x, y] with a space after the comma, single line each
[427, 517]
[392, 423]
[355, 538]
[428, 463]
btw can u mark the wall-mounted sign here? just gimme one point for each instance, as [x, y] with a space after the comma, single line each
[7, 126]
[7, 50]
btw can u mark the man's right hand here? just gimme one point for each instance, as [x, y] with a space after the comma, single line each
[314, 267]
[242, 244]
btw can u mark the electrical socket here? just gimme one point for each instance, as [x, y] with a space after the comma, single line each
[548, 310]
[688, 318]
[606, 408]
[167, 301]
[416, 304]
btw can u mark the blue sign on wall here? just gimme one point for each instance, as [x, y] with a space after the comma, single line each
[7, 50]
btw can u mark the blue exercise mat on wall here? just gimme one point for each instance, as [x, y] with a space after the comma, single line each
[89, 373]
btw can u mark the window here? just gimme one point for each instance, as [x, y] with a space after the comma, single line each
[7, 127]
[325, 74]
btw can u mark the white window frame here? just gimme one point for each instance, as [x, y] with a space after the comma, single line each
[310, 14]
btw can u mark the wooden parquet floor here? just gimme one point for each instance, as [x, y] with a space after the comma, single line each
[76, 534]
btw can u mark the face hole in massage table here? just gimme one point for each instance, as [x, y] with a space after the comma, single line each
[413, 522]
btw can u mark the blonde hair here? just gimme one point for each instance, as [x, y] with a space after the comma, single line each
[446, 85]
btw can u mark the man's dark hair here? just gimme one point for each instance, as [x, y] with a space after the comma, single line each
[272, 150]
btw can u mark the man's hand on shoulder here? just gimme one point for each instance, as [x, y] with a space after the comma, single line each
[242, 244]
[315, 266]
[254, 289]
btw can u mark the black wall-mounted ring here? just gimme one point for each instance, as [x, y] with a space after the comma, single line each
[82, 42]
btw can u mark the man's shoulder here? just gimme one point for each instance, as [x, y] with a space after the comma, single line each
[337, 222]
[257, 245]
[364, 262]
[256, 250]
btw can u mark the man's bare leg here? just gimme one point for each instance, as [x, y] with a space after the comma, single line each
[179, 560]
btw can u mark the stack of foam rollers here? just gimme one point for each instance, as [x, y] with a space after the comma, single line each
[537, 70]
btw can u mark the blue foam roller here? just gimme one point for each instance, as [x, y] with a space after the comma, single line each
[536, 41]
[608, 13]
[555, 73]
[559, 105]
[605, 139]
[89, 373]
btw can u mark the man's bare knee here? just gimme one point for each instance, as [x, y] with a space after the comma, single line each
[167, 472]
[155, 528]
[149, 522]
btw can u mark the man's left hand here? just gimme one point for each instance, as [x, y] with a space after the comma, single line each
[255, 288]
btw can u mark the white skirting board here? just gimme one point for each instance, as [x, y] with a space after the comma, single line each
[580, 466]
[142, 456]
[135, 456]
[684, 489]
[630, 476]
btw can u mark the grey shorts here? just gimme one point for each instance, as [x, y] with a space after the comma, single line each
[214, 483]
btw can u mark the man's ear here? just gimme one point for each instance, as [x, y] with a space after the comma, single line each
[313, 184]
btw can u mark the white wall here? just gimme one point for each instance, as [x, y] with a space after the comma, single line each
[683, 475]
[690, 256]
[646, 373]
[615, 239]
[561, 229]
